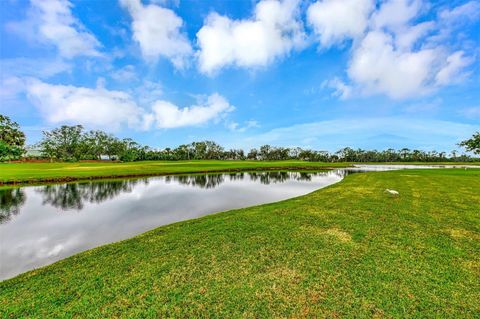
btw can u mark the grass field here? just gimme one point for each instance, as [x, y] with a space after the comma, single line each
[346, 251]
[21, 173]
[58, 172]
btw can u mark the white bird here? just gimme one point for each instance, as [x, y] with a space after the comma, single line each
[392, 192]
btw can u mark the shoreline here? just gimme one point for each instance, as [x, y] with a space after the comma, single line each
[67, 179]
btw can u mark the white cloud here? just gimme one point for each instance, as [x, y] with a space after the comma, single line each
[334, 21]
[274, 30]
[407, 37]
[158, 32]
[468, 11]
[14, 70]
[111, 110]
[52, 21]
[341, 90]
[79, 105]
[396, 13]
[453, 69]
[378, 67]
[10, 88]
[168, 115]
[392, 54]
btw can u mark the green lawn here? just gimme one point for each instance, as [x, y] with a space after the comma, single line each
[52, 172]
[346, 251]
[58, 172]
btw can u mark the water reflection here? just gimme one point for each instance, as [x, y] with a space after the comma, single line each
[11, 201]
[206, 181]
[74, 196]
[213, 180]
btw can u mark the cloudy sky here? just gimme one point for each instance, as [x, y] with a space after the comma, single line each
[322, 74]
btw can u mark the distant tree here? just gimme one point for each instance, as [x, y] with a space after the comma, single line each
[64, 143]
[265, 152]
[200, 150]
[213, 150]
[405, 154]
[12, 139]
[472, 144]
[10, 132]
[95, 144]
[253, 154]
[184, 152]
[294, 152]
[131, 150]
[453, 155]
[346, 154]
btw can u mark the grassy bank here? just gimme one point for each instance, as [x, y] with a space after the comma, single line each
[349, 250]
[18, 173]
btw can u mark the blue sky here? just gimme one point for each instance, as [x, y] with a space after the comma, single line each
[318, 74]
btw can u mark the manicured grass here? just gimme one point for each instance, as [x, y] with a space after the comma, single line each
[348, 251]
[51, 172]
[21, 173]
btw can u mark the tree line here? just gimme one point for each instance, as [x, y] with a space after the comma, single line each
[74, 143]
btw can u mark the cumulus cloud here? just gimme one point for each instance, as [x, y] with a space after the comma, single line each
[408, 36]
[272, 32]
[335, 21]
[380, 68]
[52, 21]
[96, 107]
[396, 13]
[391, 53]
[469, 11]
[111, 110]
[453, 69]
[168, 115]
[157, 30]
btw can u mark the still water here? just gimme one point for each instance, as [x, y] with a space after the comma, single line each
[40, 225]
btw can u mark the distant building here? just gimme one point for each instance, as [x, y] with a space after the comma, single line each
[32, 151]
[108, 158]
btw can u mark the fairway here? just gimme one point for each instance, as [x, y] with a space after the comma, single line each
[34, 173]
[12, 173]
[348, 251]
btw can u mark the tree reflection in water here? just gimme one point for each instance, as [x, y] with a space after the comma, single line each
[214, 180]
[73, 196]
[201, 181]
[10, 202]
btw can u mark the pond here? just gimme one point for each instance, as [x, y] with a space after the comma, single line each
[42, 224]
